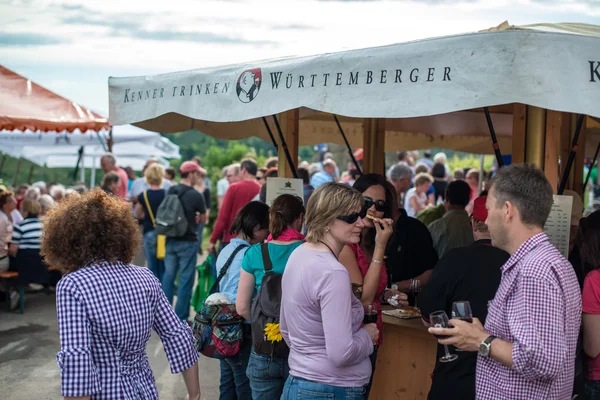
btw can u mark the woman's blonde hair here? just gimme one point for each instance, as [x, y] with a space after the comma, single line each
[31, 207]
[154, 174]
[328, 202]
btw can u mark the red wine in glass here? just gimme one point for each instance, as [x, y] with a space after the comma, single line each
[370, 318]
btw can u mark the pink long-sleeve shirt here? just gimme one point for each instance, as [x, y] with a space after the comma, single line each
[321, 321]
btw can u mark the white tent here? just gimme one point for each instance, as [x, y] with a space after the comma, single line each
[430, 92]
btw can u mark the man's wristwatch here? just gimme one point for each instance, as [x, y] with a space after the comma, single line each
[486, 346]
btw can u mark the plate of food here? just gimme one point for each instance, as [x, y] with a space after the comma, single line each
[407, 312]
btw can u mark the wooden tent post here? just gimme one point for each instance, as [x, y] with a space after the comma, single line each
[289, 122]
[519, 132]
[535, 138]
[552, 150]
[374, 145]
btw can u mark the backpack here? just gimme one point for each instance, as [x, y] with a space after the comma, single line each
[265, 312]
[218, 327]
[170, 216]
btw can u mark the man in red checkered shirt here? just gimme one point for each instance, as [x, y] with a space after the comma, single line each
[527, 347]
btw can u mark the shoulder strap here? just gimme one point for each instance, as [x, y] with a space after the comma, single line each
[215, 285]
[149, 208]
[183, 191]
[264, 247]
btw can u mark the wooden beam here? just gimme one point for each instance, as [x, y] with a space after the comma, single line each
[374, 145]
[565, 146]
[552, 150]
[519, 132]
[536, 133]
[289, 122]
[579, 163]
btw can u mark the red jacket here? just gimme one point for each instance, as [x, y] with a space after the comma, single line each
[237, 196]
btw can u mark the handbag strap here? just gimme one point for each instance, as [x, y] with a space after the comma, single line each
[226, 267]
[149, 208]
[264, 247]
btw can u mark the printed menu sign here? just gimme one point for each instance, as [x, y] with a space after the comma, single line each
[278, 186]
[558, 225]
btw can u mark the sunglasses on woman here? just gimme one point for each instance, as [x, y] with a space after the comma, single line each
[352, 218]
[380, 205]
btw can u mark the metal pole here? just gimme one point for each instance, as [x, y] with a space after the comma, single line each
[77, 165]
[574, 146]
[270, 134]
[82, 171]
[587, 177]
[350, 148]
[495, 144]
[14, 179]
[93, 174]
[481, 174]
[109, 143]
[285, 149]
[4, 157]
[30, 173]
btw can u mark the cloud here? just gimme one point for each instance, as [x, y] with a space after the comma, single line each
[29, 39]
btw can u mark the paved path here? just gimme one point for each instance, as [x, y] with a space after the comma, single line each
[28, 347]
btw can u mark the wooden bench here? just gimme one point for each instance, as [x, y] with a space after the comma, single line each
[7, 277]
[11, 275]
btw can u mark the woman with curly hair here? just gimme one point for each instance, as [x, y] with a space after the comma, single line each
[107, 307]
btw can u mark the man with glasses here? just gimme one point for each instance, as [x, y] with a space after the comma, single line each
[527, 348]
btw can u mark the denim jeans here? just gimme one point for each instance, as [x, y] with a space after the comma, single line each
[234, 382]
[592, 390]
[200, 233]
[298, 388]
[180, 255]
[267, 375]
[154, 264]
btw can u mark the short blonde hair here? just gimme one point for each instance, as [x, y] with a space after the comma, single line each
[31, 207]
[154, 174]
[328, 202]
[423, 178]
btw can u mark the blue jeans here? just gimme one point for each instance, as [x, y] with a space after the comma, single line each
[200, 233]
[267, 375]
[298, 388]
[154, 264]
[592, 390]
[234, 382]
[180, 255]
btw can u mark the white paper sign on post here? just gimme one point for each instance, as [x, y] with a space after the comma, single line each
[558, 225]
[278, 186]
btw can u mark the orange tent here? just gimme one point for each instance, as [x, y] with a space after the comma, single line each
[26, 105]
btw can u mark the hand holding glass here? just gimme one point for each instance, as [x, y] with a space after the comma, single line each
[439, 319]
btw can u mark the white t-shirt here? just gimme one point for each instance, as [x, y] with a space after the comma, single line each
[222, 186]
[421, 200]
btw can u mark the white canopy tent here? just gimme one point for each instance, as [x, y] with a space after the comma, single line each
[430, 92]
[132, 147]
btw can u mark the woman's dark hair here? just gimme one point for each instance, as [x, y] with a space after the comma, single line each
[438, 171]
[303, 174]
[171, 172]
[254, 215]
[588, 240]
[285, 210]
[362, 184]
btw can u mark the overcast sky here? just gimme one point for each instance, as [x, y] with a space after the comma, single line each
[72, 46]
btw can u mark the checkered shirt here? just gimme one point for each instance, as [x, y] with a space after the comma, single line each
[106, 312]
[538, 309]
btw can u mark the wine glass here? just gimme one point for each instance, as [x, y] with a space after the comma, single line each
[439, 319]
[462, 310]
[415, 288]
[370, 316]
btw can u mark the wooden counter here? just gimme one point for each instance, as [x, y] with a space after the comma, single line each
[405, 361]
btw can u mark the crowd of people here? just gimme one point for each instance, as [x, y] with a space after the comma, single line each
[422, 236]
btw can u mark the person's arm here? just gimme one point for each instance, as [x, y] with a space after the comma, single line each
[363, 288]
[243, 301]
[344, 347]
[591, 338]
[437, 294]
[178, 342]
[78, 373]
[13, 249]
[200, 208]
[139, 211]
[415, 204]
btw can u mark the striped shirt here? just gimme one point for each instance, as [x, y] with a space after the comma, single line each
[28, 234]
